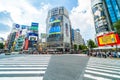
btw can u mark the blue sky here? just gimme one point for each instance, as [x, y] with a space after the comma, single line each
[27, 11]
[66, 3]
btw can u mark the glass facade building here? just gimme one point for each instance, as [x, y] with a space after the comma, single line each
[113, 9]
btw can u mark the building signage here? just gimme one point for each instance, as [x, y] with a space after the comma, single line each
[34, 24]
[108, 39]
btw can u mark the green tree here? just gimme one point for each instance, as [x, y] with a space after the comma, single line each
[82, 47]
[91, 44]
[117, 27]
[75, 47]
[1, 46]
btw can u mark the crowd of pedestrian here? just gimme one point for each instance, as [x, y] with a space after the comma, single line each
[104, 53]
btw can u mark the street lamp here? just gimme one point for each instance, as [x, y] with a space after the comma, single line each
[115, 32]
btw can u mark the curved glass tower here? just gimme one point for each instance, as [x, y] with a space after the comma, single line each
[100, 19]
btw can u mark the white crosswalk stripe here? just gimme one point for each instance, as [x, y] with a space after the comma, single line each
[102, 69]
[26, 67]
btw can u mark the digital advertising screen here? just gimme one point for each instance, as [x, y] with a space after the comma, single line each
[54, 30]
[33, 36]
[55, 19]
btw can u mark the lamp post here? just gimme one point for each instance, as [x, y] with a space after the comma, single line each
[115, 37]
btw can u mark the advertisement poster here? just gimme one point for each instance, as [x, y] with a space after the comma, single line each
[108, 39]
[55, 19]
[26, 44]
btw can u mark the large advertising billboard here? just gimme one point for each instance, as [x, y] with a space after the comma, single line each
[55, 30]
[108, 39]
[33, 36]
[55, 19]
[99, 18]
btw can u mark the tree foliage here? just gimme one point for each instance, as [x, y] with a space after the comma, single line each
[91, 44]
[1, 46]
[75, 47]
[117, 26]
[82, 47]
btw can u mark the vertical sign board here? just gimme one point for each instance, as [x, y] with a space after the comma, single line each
[26, 44]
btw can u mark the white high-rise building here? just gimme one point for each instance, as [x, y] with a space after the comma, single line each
[78, 38]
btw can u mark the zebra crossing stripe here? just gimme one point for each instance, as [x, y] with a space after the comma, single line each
[101, 73]
[21, 78]
[94, 77]
[23, 68]
[24, 65]
[103, 67]
[22, 72]
[114, 72]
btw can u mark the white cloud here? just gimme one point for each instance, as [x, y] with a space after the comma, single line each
[81, 17]
[22, 12]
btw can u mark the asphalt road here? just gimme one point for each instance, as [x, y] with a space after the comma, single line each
[66, 67]
[58, 67]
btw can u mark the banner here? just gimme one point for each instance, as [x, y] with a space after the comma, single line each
[108, 39]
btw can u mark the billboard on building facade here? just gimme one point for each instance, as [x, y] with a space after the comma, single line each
[33, 36]
[99, 18]
[26, 44]
[55, 30]
[55, 19]
[108, 39]
[34, 26]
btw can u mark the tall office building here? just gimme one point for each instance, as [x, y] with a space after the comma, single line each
[106, 13]
[78, 37]
[113, 11]
[58, 29]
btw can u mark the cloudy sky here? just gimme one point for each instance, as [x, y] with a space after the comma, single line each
[27, 11]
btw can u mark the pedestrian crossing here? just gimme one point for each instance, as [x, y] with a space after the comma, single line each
[102, 69]
[26, 67]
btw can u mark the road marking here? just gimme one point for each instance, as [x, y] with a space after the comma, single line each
[21, 78]
[22, 68]
[24, 65]
[104, 67]
[104, 74]
[110, 71]
[22, 72]
[96, 78]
